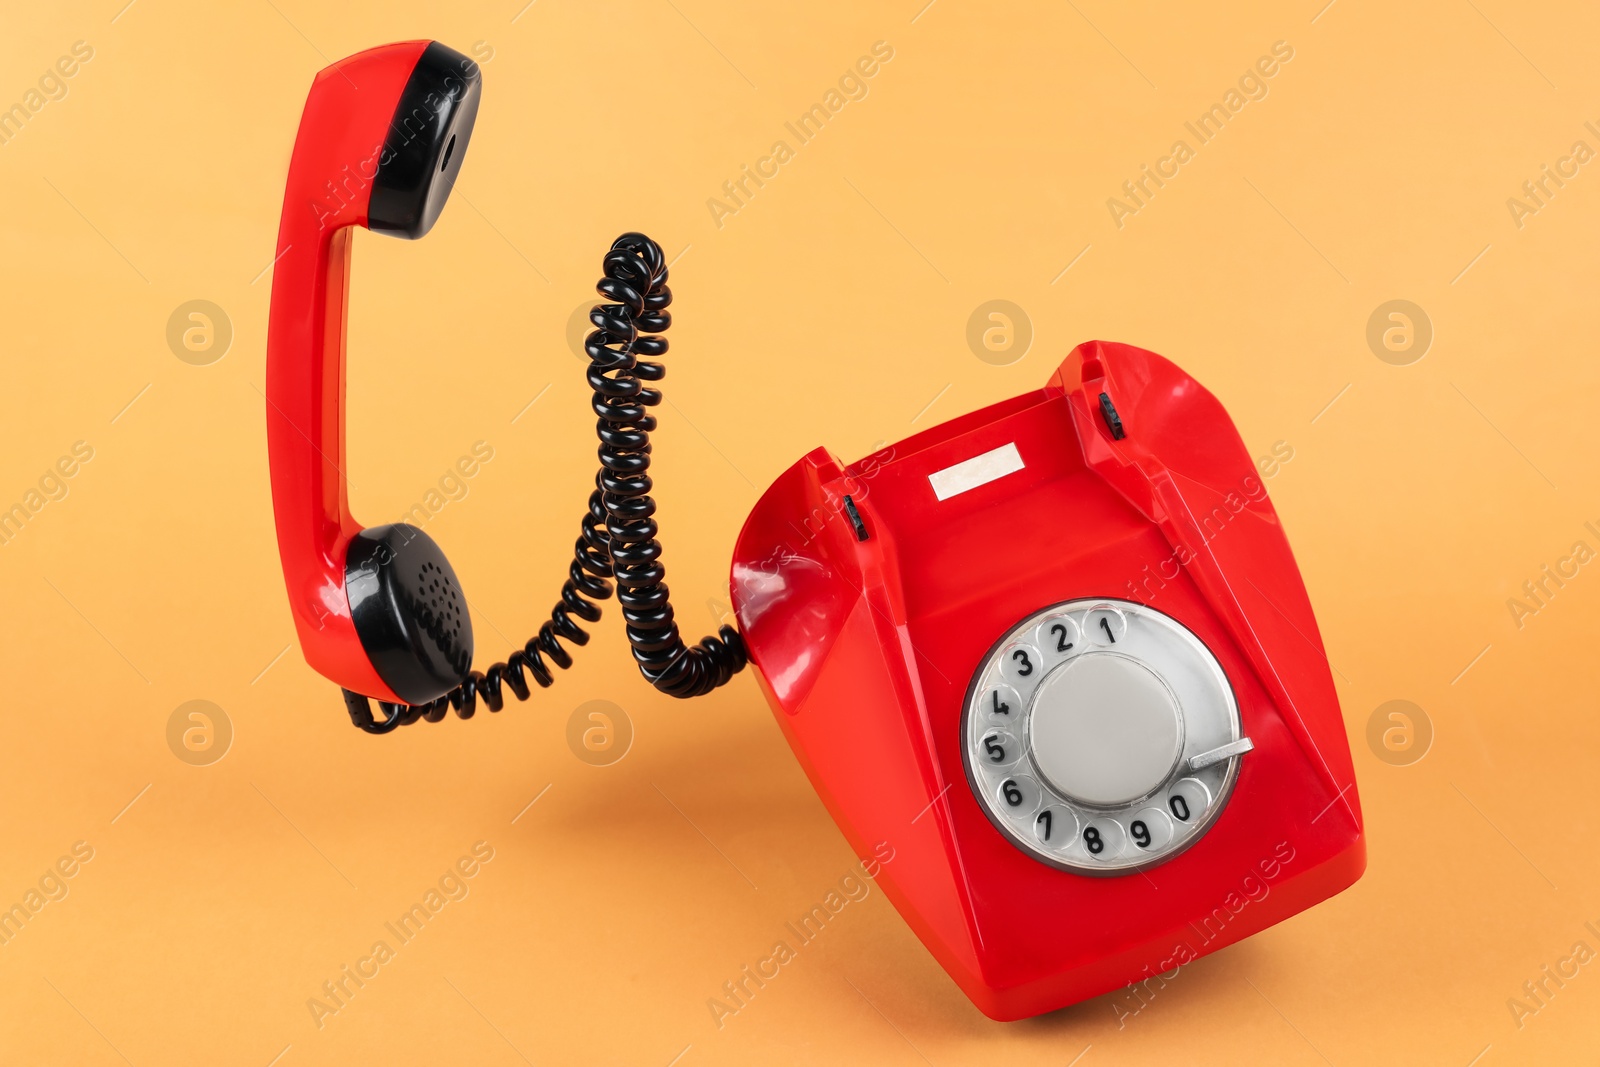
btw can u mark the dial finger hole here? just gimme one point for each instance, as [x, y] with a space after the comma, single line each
[1055, 826]
[1017, 796]
[1187, 801]
[1150, 829]
[1021, 665]
[998, 748]
[1102, 839]
[1058, 637]
[1001, 705]
[1105, 626]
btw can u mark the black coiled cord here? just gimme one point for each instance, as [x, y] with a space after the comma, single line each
[636, 280]
[618, 538]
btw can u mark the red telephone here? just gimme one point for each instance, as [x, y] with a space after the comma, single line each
[1045, 648]
[1056, 652]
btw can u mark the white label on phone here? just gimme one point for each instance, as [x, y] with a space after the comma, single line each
[979, 470]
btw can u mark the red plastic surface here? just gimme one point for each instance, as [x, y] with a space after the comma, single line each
[335, 158]
[866, 648]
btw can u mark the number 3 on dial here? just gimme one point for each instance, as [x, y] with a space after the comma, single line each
[1020, 664]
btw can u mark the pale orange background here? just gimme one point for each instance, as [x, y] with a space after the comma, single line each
[831, 310]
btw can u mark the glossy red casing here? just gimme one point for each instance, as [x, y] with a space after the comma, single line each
[865, 650]
[336, 155]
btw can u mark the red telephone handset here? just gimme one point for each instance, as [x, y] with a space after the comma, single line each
[380, 610]
[380, 144]
[1055, 654]
[1043, 649]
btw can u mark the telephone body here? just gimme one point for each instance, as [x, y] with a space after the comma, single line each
[1058, 654]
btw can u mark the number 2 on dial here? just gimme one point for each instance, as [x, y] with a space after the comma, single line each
[1059, 632]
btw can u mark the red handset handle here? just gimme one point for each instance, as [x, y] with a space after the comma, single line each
[336, 153]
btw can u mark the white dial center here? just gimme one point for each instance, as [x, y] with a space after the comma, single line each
[1105, 729]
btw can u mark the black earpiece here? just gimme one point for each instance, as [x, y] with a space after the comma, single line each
[427, 140]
